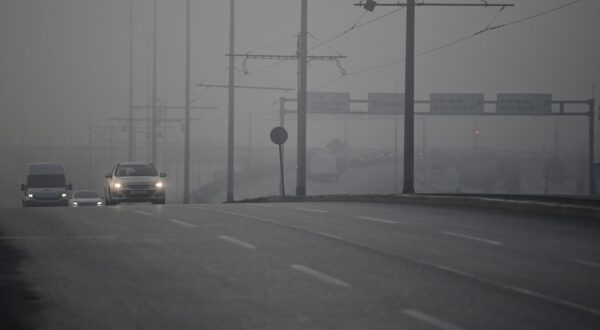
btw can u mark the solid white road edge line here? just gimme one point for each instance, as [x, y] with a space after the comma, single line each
[430, 320]
[237, 242]
[473, 238]
[320, 276]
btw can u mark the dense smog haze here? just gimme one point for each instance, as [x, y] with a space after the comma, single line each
[65, 64]
[300, 164]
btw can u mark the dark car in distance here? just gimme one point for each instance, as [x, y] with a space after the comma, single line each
[134, 182]
[46, 185]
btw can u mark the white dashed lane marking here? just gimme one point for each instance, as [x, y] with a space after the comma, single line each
[493, 283]
[389, 222]
[237, 242]
[587, 263]
[143, 213]
[472, 238]
[433, 321]
[320, 276]
[182, 223]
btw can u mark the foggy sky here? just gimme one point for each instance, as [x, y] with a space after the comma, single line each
[64, 62]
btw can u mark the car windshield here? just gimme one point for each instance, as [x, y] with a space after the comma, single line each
[136, 170]
[46, 181]
[85, 194]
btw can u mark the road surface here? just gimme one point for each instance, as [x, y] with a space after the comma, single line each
[296, 266]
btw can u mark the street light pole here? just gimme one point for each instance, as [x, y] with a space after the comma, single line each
[186, 165]
[231, 112]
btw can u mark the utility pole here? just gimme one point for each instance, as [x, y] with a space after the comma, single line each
[409, 102]
[409, 87]
[396, 144]
[249, 161]
[186, 165]
[302, 57]
[302, 86]
[90, 154]
[154, 96]
[131, 139]
[231, 112]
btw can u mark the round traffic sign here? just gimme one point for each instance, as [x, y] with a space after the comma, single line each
[279, 135]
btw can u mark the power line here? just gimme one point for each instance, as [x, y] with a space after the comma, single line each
[356, 26]
[321, 41]
[452, 43]
[534, 16]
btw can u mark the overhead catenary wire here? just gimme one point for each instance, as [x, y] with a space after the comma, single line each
[356, 26]
[454, 42]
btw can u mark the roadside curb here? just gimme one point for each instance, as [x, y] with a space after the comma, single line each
[529, 206]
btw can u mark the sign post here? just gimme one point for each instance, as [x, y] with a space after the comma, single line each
[279, 135]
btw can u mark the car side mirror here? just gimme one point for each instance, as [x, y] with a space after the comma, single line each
[163, 175]
[108, 176]
[70, 186]
[23, 187]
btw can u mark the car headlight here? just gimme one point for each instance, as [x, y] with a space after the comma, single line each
[64, 195]
[75, 204]
[99, 203]
[117, 185]
[159, 184]
[30, 195]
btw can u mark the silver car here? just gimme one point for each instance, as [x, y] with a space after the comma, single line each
[134, 182]
[85, 198]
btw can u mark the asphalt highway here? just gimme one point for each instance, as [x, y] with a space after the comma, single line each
[296, 266]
